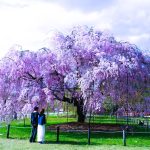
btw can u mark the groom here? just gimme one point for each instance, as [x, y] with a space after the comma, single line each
[34, 123]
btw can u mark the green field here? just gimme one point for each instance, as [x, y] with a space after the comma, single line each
[19, 136]
[13, 144]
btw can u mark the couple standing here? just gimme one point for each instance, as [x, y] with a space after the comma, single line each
[38, 122]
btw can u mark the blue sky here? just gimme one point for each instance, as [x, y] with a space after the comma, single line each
[29, 22]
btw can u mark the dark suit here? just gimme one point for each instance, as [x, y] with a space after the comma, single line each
[34, 123]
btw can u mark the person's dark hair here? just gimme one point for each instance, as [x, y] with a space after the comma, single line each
[42, 111]
[36, 108]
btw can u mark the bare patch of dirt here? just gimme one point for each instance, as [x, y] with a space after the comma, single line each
[84, 126]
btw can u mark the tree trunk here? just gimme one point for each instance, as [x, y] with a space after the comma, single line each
[77, 103]
[81, 113]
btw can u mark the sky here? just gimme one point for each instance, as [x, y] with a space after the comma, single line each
[29, 23]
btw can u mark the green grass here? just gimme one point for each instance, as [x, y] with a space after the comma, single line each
[74, 140]
[13, 144]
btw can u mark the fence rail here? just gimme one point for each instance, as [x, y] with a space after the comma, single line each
[89, 131]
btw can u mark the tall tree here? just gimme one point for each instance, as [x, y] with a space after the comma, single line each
[84, 68]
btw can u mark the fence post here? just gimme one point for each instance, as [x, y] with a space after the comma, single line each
[124, 138]
[8, 130]
[24, 121]
[89, 136]
[57, 134]
[147, 123]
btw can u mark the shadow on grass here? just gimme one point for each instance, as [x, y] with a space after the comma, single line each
[83, 143]
[70, 143]
[65, 142]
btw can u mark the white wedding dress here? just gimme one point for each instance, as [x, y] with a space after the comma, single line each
[41, 133]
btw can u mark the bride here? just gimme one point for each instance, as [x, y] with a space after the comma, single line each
[41, 127]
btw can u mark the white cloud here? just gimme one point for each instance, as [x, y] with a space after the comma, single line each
[129, 21]
[28, 22]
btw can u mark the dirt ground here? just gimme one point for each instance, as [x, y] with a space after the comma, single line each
[84, 126]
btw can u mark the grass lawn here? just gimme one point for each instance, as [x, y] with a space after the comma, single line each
[19, 136]
[13, 144]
